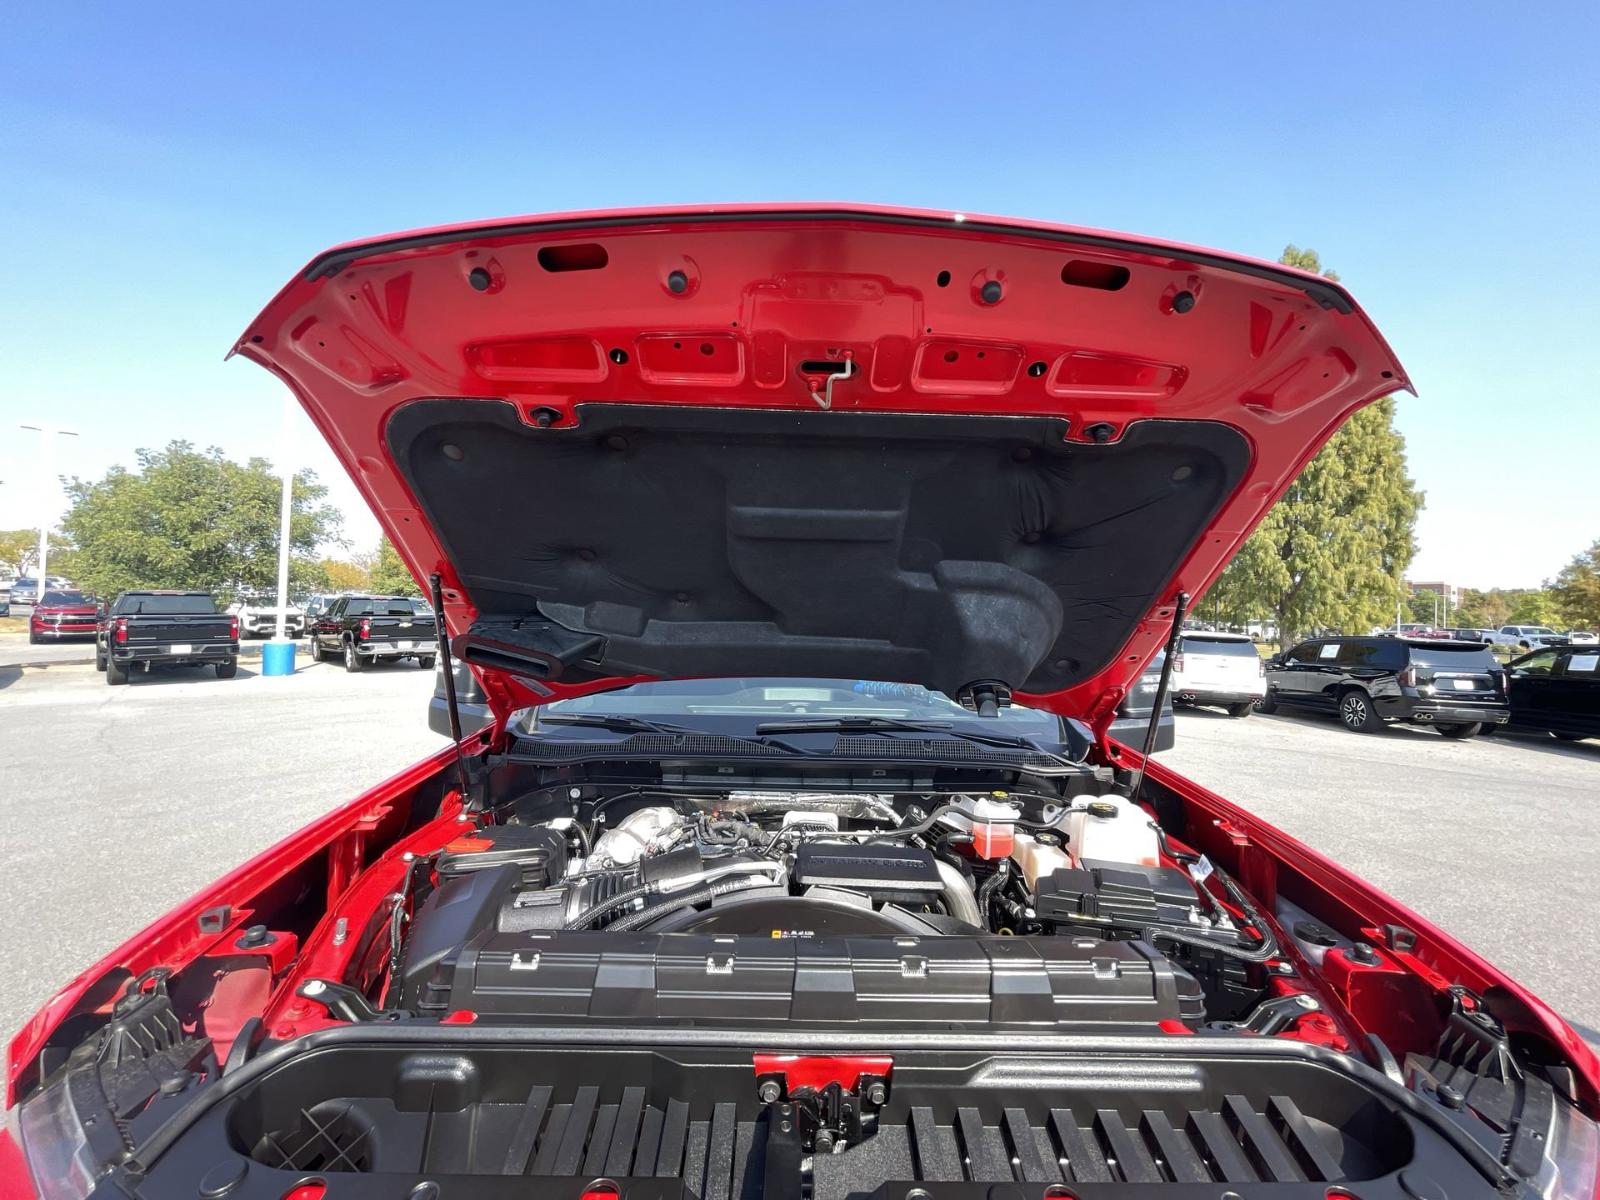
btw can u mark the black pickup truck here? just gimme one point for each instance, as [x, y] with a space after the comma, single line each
[364, 629]
[140, 630]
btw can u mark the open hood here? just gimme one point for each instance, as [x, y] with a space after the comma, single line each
[815, 439]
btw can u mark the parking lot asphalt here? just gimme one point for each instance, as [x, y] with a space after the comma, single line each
[117, 803]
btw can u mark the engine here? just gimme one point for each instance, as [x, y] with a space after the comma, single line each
[821, 905]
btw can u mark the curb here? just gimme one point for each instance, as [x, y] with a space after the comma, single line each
[246, 650]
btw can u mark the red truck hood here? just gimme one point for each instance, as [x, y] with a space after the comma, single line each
[614, 437]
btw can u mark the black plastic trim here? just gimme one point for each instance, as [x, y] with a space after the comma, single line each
[429, 1033]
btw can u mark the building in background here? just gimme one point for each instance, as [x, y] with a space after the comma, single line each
[1449, 592]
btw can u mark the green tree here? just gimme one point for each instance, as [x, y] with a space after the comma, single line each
[1423, 607]
[1333, 552]
[1483, 609]
[1534, 606]
[194, 519]
[19, 550]
[345, 576]
[1305, 260]
[389, 576]
[1577, 589]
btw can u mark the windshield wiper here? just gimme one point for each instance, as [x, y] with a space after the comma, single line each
[888, 725]
[619, 723]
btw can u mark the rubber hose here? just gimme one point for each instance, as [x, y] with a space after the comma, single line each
[904, 831]
[989, 885]
[1268, 949]
[589, 916]
[681, 901]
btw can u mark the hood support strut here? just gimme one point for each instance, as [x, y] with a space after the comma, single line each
[437, 591]
[1179, 610]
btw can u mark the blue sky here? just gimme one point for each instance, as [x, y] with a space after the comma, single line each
[163, 170]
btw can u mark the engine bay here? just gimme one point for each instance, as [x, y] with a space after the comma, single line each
[822, 908]
[662, 988]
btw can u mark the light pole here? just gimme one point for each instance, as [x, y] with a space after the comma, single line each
[277, 657]
[47, 515]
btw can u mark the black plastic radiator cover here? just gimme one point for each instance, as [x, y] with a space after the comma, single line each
[898, 982]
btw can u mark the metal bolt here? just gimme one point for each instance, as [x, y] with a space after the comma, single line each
[824, 1141]
[1450, 1097]
[1305, 1001]
[769, 1091]
[877, 1094]
[341, 930]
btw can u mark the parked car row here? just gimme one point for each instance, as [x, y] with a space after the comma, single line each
[1456, 687]
[144, 629]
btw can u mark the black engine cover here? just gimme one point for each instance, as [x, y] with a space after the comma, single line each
[901, 982]
[769, 913]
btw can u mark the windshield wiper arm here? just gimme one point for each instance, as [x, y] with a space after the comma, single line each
[896, 725]
[620, 723]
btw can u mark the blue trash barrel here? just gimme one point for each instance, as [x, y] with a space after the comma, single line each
[277, 658]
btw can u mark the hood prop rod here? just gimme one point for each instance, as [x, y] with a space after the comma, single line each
[1179, 609]
[437, 591]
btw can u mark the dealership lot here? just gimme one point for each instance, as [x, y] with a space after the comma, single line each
[115, 803]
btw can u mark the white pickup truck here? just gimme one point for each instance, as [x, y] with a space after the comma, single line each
[1527, 637]
[258, 617]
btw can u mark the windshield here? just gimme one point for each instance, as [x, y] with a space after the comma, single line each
[64, 598]
[738, 704]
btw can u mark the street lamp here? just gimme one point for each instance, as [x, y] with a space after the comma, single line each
[47, 514]
[277, 656]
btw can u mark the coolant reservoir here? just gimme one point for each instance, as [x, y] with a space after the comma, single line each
[1112, 829]
[1035, 858]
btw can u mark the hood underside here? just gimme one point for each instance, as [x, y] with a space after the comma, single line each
[815, 441]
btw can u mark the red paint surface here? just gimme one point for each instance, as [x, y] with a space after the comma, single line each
[819, 1070]
[16, 1181]
[765, 288]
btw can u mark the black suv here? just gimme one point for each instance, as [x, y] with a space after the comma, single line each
[1457, 687]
